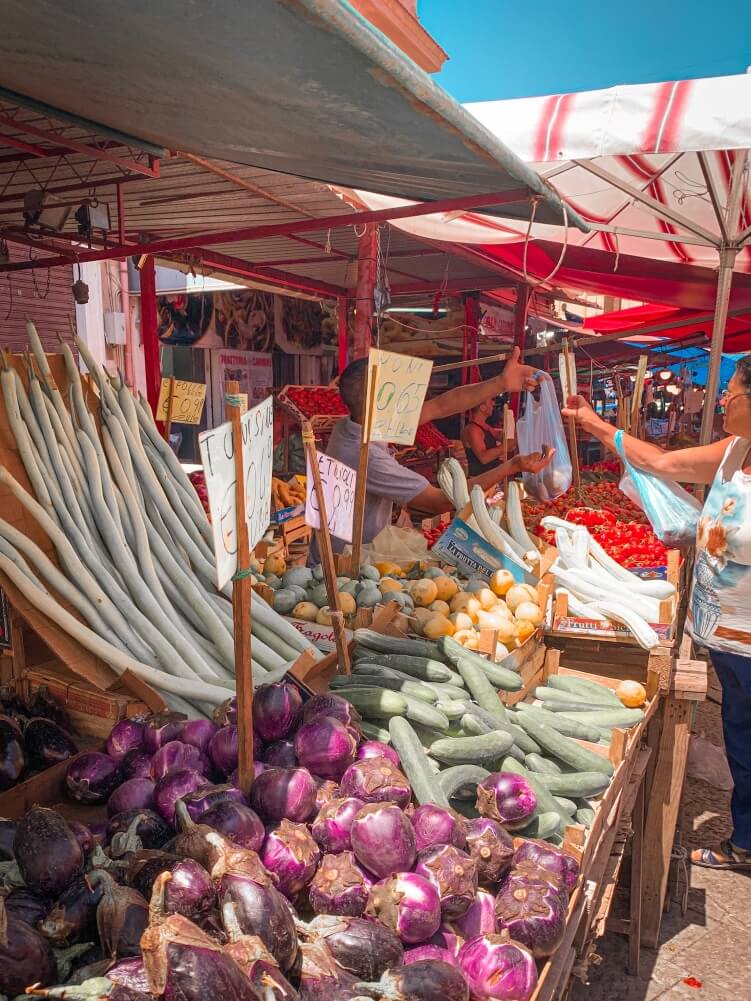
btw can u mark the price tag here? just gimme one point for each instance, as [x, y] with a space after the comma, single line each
[400, 386]
[338, 483]
[218, 458]
[188, 399]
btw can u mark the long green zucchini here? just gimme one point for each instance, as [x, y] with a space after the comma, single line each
[560, 722]
[474, 726]
[564, 748]
[376, 703]
[426, 786]
[584, 689]
[541, 826]
[576, 784]
[541, 765]
[414, 688]
[574, 707]
[547, 695]
[566, 804]
[461, 781]
[501, 677]
[374, 732]
[418, 668]
[585, 815]
[472, 750]
[482, 691]
[395, 645]
[608, 717]
[420, 712]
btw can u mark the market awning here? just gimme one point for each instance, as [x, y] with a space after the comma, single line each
[651, 322]
[306, 87]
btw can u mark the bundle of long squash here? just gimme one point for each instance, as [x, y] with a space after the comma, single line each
[133, 544]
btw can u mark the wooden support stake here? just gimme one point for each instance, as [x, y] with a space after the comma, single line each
[641, 373]
[170, 404]
[325, 551]
[358, 520]
[505, 432]
[572, 442]
[241, 598]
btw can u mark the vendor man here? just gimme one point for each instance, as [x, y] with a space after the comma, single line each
[391, 483]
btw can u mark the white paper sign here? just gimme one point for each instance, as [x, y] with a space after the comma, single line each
[338, 483]
[218, 457]
[401, 384]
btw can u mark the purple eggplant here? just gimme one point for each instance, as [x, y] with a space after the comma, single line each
[277, 710]
[376, 780]
[208, 796]
[255, 960]
[407, 904]
[129, 972]
[320, 977]
[224, 749]
[507, 798]
[284, 794]
[454, 875]
[189, 891]
[26, 906]
[533, 912]
[498, 969]
[332, 826]
[426, 980]
[12, 756]
[335, 707]
[364, 949]
[438, 825]
[152, 830]
[47, 851]
[427, 950]
[160, 728]
[281, 754]
[226, 712]
[122, 916]
[491, 847]
[173, 787]
[145, 866]
[383, 840]
[339, 886]
[133, 794]
[136, 764]
[326, 790]
[479, 918]
[25, 956]
[47, 743]
[326, 747]
[125, 736]
[92, 777]
[84, 837]
[375, 749]
[73, 917]
[175, 754]
[556, 861]
[291, 855]
[198, 733]
[238, 823]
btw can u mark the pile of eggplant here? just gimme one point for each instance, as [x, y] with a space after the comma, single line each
[33, 736]
[326, 883]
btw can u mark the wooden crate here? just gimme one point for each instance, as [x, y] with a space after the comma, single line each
[48, 789]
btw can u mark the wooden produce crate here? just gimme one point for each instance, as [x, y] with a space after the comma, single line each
[48, 789]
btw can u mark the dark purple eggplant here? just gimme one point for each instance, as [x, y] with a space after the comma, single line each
[129, 972]
[319, 976]
[25, 957]
[47, 743]
[47, 851]
[281, 754]
[199, 841]
[365, 949]
[7, 836]
[145, 866]
[73, 917]
[13, 706]
[12, 757]
[424, 981]
[189, 890]
[237, 822]
[91, 777]
[152, 830]
[184, 964]
[160, 728]
[136, 764]
[254, 959]
[133, 794]
[122, 916]
[208, 796]
[340, 886]
[83, 836]
[42, 704]
[24, 905]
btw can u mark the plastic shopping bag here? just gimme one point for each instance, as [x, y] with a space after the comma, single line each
[542, 425]
[672, 511]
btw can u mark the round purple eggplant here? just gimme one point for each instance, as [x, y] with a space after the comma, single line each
[548, 857]
[339, 886]
[376, 749]
[173, 787]
[47, 743]
[125, 736]
[224, 749]
[175, 754]
[92, 777]
[47, 851]
[325, 746]
[424, 980]
[237, 822]
[160, 728]
[438, 825]
[277, 710]
[507, 798]
[133, 794]
[332, 826]
[408, 904]
[284, 794]
[454, 875]
[376, 780]
[189, 891]
[208, 796]
[533, 912]
[492, 849]
[291, 855]
[151, 829]
[383, 840]
[479, 918]
[281, 754]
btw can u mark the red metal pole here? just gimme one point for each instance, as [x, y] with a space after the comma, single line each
[342, 332]
[366, 274]
[520, 331]
[149, 332]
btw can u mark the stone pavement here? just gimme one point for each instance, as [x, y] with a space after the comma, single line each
[704, 955]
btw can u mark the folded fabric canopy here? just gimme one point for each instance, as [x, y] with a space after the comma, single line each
[306, 87]
[639, 322]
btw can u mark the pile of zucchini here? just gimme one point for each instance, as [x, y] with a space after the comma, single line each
[437, 704]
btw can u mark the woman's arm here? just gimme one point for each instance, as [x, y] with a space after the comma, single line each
[474, 438]
[686, 465]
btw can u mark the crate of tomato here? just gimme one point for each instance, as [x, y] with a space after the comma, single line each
[321, 405]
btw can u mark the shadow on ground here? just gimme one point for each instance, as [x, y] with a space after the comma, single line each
[704, 954]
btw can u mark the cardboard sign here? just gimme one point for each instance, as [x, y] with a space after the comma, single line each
[217, 455]
[465, 549]
[338, 483]
[320, 636]
[400, 386]
[187, 402]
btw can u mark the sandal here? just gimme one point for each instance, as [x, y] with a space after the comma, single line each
[728, 857]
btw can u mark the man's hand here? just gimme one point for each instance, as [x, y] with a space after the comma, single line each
[535, 462]
[516, 377]
[578, 408]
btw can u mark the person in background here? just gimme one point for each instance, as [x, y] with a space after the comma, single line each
[481, 441]
[391, 483]
[719, 615]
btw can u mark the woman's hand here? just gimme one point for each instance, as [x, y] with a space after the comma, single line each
[516, 377]
[581, 411]
[535, 462]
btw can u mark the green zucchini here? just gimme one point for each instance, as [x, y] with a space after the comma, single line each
[582, 688]
[472, 750]
[608, 717]
[563, 747]
[560, 722]
[493, 720]
[474, 726]
[377, 703]
[453, 692]
[418, 668]
[541, 765]
[460, 780]
[515, 752]
[413, 688]
[395, 645]
[425, 785]
[576, 783]
[545, 801]
[482, 691]
[374, 732]
[585, 815]
[523, 740]
[501, 677]
[566, 804]
[541, 826]
[547, 695]
[572, 707]
[425, 715]
[451, 709]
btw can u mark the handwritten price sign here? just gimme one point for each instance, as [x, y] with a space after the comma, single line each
[338, 483]
[218, 458]
[400, 386]
[188, 399]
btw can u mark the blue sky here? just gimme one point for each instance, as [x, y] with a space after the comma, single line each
[509, 48]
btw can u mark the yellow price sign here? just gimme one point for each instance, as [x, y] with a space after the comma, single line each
[188, 399]
[401, 383]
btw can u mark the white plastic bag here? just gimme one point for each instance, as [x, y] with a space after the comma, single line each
[542, 425]
[396, 545]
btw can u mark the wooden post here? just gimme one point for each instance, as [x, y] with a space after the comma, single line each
[362, 476]
[572, 442]
[170, 404]
[641, 373]
[520, 331]
[505, 432]
[241, 598]
[366, 276]
[323, 537]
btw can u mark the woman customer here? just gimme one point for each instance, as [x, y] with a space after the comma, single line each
[719, 614]
[480, 440]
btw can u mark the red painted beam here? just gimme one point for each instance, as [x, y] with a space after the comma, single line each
[176, 244]
[454, 285]
[258, 272]
[23, 146]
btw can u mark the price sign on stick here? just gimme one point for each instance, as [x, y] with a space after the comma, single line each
[217, 456]
[186, 405]
[398, 395]
[338, 485]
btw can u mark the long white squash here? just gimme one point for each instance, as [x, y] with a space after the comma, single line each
[516, 524]
[493, 533]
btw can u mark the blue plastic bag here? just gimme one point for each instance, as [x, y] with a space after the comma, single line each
[672, 511]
